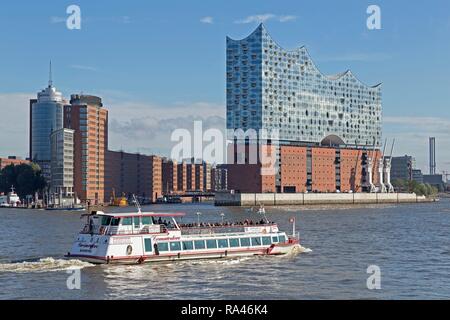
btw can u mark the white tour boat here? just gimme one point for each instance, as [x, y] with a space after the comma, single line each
[10, 200]
[132, 238]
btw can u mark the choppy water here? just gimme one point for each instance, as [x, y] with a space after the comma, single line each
[410, 243]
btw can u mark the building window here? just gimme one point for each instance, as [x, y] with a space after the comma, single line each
[148, 245]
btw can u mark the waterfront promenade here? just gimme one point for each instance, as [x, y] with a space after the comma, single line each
[276, 199]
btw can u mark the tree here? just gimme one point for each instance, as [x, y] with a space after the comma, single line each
[400, 184]
[26, 178]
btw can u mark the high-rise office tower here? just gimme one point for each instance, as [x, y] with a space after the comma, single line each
[62, 164]
[89, 119]
[432, 155]
[46, 116]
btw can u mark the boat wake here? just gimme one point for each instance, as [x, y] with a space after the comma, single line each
[306, 250]
[43, 265]
[226, 261]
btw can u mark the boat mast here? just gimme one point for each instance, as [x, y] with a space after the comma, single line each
[136, 203]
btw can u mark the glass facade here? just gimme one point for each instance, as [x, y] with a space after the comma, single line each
[46, 117]
[271, 88]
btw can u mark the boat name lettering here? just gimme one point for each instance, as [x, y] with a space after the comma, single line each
[121, 241]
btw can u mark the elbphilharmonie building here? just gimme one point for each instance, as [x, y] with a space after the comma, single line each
[324, 131]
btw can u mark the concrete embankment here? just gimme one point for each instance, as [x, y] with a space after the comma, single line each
[278, 199]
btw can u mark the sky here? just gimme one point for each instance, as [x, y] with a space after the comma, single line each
[160, 65]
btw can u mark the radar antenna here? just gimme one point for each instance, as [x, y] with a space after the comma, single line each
[50, 76]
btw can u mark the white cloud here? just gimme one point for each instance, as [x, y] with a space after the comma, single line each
[412, 134]
[14, 123]
[57, 19]
[147, 128]
[359, 57]
[286, 18]
[261, 18]
[113, 19]
[207, 20]
[82, 67]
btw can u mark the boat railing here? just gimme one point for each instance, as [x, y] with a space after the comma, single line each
[210, 229]
[116, 230]
[161, 228]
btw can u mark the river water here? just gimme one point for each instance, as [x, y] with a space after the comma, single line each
[409, 243]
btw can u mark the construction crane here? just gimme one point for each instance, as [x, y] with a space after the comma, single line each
[387, 170]
[446, 174]
[353, 184]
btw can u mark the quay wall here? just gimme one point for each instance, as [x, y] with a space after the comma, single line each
[279, 199]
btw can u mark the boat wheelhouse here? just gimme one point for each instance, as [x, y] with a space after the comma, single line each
[145, 237]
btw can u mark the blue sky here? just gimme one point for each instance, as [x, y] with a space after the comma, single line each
[160, 61]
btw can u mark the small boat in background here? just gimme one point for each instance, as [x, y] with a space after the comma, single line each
[10, 200]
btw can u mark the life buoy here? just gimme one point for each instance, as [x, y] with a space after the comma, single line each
[129, 250]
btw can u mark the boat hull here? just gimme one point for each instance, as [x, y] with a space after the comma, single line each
[277, 250]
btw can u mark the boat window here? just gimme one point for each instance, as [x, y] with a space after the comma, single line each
[211, 244]
[163, 246]
[175, 246]
[106, 221]
[266, 241]
[115, 222]
[199, 244]
[188, 245]
[274, 239]
[137, 222]
[245, 242]
[256, 241]
[234, 243]
[282, 238]
[148, 245]
[126, 221]
[147, 220]
[223, 243]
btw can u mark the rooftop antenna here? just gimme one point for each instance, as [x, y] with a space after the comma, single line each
[50, 80]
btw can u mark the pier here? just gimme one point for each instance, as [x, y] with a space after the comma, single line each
[279, 199]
